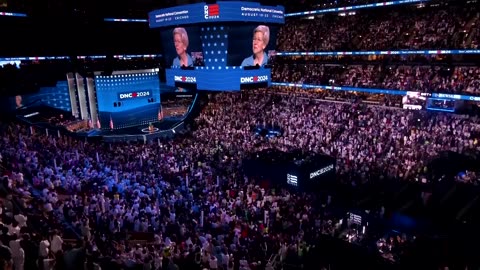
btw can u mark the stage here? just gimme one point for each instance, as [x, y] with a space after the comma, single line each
[166, 128]
[139, 130]
[45, 119]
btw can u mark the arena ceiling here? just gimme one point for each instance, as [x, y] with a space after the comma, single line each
[100, 8]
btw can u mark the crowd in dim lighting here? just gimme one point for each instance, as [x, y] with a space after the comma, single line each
[450, 27]
[189, 193]
[304, 5]
[418, 78]
[184, 203]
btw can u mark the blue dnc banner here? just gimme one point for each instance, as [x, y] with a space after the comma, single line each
[223, 79]
[128, 99]
[220, 12]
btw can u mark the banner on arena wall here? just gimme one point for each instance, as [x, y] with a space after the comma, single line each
[221, 11]
[218, 78]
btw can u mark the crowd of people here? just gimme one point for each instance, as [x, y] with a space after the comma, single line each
[190, 193]
[304, 5]
[441, 27]
[168, 189]
[420, 78]
[392, 101]
[185, 203]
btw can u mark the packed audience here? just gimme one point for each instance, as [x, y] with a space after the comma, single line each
[185, 204]
[443, 27]
[189, 195]
[419, 78]
[320, 94]
[392, 244]
[167, 193]
[304, 5]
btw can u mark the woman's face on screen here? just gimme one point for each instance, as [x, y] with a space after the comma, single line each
[179, 45]
[258, 44]
[18, 101]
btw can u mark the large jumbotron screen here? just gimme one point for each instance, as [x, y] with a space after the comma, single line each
[219, 46]
[225, 46]
[127, 99]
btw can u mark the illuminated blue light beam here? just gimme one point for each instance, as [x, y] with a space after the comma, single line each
[13, 14]
[125, 20]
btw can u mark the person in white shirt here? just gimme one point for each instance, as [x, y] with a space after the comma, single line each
[283, 252]
[13, 228]
[18, 254]
[21, 219]
[44, 248]
[244, 264]
[205, 257]
[213, 263]
[56, 243]
[225, 259]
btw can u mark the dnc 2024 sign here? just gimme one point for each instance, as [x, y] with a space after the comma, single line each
[134, 95]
